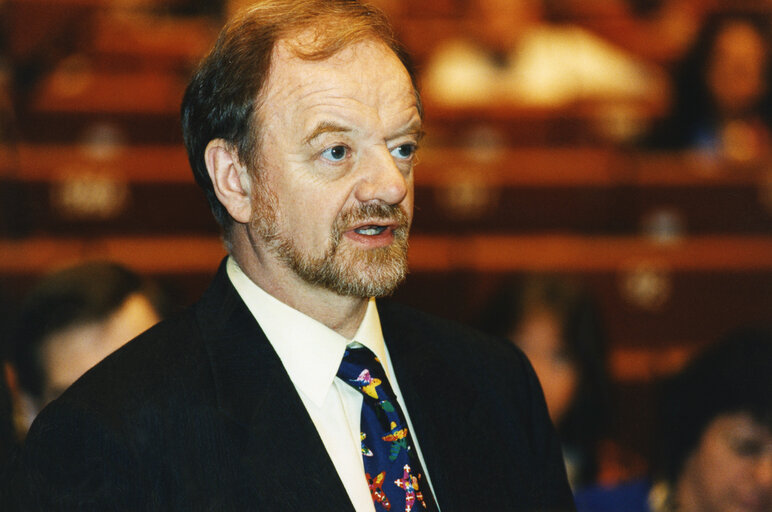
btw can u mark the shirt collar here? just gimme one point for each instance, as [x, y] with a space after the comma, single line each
[310, 351]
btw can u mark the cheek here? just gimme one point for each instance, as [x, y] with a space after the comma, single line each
[720, 474]
[409, 201]
[313, 213]
[563, 393]
[558, 382]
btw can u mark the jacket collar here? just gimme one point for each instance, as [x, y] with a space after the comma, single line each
[282, 448]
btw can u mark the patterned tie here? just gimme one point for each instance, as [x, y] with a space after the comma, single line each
[394, 473]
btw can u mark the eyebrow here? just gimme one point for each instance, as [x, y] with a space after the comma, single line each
[414, 128]
[326, 127]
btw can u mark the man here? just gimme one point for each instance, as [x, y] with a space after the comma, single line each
[71, 320]
[301, 126]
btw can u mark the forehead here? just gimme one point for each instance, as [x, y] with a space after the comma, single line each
[365, 79]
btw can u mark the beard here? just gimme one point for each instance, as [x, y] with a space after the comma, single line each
[339, 267]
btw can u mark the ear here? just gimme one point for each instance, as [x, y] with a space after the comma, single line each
[231, 180]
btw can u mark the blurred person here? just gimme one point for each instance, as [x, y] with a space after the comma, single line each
[292, 384]
[722, 99]
[513, 55]
[70, 320]
[714, 440]
[556, 322]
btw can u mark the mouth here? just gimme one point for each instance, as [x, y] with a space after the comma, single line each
[373, 226]
[373, 234]
[370, 230]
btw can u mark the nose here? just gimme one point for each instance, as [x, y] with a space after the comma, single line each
[382, 179]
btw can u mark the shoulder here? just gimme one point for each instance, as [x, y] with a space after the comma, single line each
[491, 368]
[395, 315]
[459, 344]
[490, 383]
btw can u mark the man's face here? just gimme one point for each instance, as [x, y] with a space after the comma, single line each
[69, 353]
[731, 469]
[333, 194]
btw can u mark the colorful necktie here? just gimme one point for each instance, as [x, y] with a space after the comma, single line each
[394, 473]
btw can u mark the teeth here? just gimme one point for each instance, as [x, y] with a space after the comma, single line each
[371, 230]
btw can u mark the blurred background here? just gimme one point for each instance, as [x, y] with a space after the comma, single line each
[619, 147]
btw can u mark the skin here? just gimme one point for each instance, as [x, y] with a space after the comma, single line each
[69, 353]
[337, 151]
[736, 71]
[731, 469]
[540, 338]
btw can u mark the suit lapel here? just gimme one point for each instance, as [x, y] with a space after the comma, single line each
[286, 463]
[442, 406]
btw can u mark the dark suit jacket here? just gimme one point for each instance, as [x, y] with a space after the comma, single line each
[198, 414]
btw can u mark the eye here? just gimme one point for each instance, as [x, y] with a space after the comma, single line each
[747, 447]
[404, 151]
[335, 153]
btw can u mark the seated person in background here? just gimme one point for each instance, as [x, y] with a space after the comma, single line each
[714, 445]
[558, 326]
[512, 55]
[71, 320]
[722, 91]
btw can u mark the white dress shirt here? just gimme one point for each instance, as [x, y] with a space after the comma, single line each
[311, 354]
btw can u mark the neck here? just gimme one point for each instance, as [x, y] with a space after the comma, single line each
[342, 314]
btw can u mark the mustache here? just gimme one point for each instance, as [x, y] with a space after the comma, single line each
[378, 212]
[372, 212]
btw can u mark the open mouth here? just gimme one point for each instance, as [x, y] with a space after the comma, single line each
[371, 230]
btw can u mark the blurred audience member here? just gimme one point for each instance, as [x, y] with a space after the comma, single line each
[558, 326]
[722, 99]
[71, 320]
[513, 55]
[715, 436]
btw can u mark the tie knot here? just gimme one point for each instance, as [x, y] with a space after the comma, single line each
[360, 369]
